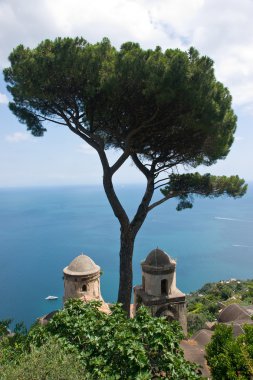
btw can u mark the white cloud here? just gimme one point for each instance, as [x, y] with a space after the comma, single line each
[17, 137]
[220, 29]
[3, 99]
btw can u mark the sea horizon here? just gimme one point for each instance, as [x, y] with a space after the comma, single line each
[44, 228]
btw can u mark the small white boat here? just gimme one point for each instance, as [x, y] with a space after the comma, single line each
[51, 298]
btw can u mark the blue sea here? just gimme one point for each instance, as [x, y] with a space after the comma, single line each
[43, 229]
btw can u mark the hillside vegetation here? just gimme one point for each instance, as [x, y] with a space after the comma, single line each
[204, 304]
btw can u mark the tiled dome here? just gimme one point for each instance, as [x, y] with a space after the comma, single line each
[82, 265]
[158, 258]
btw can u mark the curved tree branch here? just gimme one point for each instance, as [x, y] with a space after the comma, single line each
[142, 210]
[140, 165]
[162, 200]
[43, 118]
[119, 162]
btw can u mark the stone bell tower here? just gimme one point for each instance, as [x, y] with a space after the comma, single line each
[158, 290]
[82, 278]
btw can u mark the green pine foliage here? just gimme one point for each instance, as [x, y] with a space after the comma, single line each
[101, 346]
[166, 106]
[209, 186]
[162, 107]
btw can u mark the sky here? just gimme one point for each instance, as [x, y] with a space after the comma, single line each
[223, 30]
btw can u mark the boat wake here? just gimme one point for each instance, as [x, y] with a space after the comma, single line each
[233, 219]
[242, 245]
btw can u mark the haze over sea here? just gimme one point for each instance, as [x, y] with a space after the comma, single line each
[43, 229]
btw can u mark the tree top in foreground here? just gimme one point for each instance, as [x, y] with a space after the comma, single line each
[165, 106]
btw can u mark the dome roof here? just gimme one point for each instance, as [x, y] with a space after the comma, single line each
[81, 265]
[158, 258]
[232, 313]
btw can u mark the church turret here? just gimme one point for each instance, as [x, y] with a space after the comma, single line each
[159, 273]
[82, 278]
[158, 290]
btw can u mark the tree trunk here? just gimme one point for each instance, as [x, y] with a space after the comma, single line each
[126, 270]
[127, 239]
[129, 229]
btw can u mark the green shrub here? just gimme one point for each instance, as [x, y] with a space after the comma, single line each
[113, 346]
[14, 345]
[4, 327]
[231, 358]
[48, 362]
[196, 322]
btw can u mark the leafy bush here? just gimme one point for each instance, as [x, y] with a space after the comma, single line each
[48, 362]
[225, 292]
[196, 322]
[4, 327]
[114, 346]
[14, 345]
[231, 358]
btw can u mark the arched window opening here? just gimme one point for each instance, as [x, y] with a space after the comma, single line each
[164, 287]
[84, 288]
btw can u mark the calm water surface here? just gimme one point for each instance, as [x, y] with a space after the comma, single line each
[42, 230]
